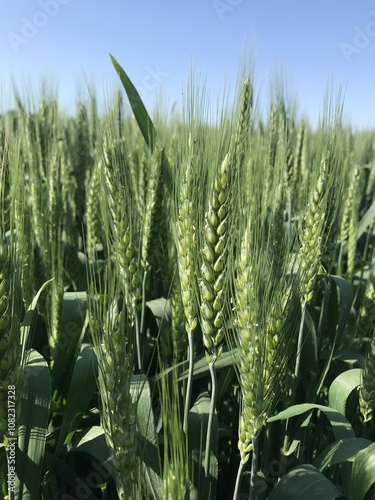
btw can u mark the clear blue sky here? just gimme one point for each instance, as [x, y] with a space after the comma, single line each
[155, 41]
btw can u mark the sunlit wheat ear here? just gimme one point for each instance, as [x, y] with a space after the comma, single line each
[244, 125]
[217, 230]
[353, 220]
[298, 155]
[163, 253]
[186, 253]
[349, 204]
[113, 347]
[246, 320]
[94, 234]
[366, 317]
[370, 185]
[367, 387]
[10, 348]
[134, 168]
[279, 235]
[273, 136]
[179, 337]
[119, 217]
[22, 223]
[153, 200]
[56, 292]
[213, 271]
[263, 338]
[82, 161]
[131, 273]
[71, 262]
[311, 236]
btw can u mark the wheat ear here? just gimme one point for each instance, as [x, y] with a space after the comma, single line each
[367, 387]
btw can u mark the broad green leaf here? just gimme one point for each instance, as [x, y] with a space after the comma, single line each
[346, 300]
[148, 444]
[309, 350]
[201, 367]
[225, 378]
[92, 442]
[340, 425]
[81, 389]
[161, 309]
[144, 121]
[363, 471]
[341, 451]
[305, 482]
[301, 424]
[76, 487]
[342, 387]
[344, 307]
[198, 423]
[366, 221]
[28, 323]
[158, 321]
[33, 424]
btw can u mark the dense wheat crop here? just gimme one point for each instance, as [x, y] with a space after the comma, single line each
[186, 305]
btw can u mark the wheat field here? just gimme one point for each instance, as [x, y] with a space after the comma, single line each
[186, 308]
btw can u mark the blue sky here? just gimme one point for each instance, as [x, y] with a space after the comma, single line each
[156, 41]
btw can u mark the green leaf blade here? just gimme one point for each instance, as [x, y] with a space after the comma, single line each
[341, 388]
[363, 472]
[339, 452]
[33, 424]
[304, 482]
[144, 121]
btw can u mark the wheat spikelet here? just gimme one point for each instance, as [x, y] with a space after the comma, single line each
[163, 251]
[136, 178]
[274, 128]
[71, 260]
[244, 126]
[53, 250]
[131, 272]
[217, 241]
[367, 387]
[186, 251]
[214, 254]
[298, 153]
[263, 337]
[94, 233]
[10, 348]
[370, 185]
[366, 316]
[311, 237]
[153, 199]
[119, 217]
[179, 338]
[82, 162]
[113, 346]
[350, 219]
[278, 230]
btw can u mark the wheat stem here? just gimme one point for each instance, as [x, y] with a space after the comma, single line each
[189, 386]
[238, 480]
[207, 456]
[254, 465]
[300, 341]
